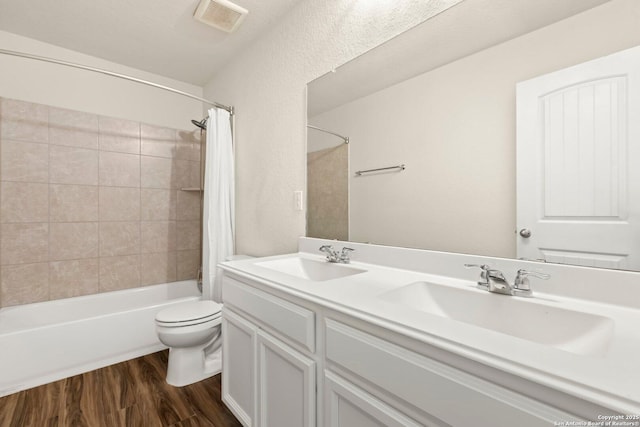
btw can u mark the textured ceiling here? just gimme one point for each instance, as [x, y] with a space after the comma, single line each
[158, 36]
[462, 30]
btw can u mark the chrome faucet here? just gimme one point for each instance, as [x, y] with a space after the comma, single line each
[341, 257]
[493, 280]
[521, 285]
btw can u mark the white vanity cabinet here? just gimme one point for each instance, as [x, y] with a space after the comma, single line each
[266, 382]
[277, 349]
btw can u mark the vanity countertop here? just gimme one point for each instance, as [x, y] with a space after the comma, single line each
[608, 377]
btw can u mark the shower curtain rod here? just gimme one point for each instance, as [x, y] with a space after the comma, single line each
[344, 138]
[118, 75]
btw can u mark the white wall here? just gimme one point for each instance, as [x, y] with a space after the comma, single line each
[267, 85]
[51, 84]
[454, 128]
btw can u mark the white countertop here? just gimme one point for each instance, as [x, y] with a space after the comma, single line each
[611, 379]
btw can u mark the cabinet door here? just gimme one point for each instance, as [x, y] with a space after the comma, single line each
[239, 367]
[347, 405]
[287, 319]
[286, 385]
[442, 392]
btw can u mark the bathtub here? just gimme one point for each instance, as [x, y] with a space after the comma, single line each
[48, 341]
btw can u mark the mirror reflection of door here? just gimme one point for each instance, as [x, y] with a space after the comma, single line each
[578, 163]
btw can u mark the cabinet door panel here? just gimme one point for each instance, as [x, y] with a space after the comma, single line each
[286, 385]
[433, 387]
[239, 367]
[292, 321]
[348, 405]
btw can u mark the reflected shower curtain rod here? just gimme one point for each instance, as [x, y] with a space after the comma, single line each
[344, 138]
[118, 75]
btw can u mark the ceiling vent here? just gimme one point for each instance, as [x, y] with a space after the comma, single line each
[221, 14]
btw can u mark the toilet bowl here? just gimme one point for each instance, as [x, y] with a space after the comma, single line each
[191, 330]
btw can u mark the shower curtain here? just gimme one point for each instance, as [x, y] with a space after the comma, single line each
[218, 210]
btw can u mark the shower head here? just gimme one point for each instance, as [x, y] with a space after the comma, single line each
[202, 124]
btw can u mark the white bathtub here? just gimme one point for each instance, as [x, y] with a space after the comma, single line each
[48, 341]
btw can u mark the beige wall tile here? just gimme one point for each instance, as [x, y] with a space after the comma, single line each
[73, 278]
[72, 165]
[24, 161]
[119, 204]
[24, 202]
[157, 236]
[157, 141]
[73, 240]
[328, 193]
[188, 207]
[157, 268]
[119, 127]
[187, 235]
[119, 272]
[119, 238]
[24, 284]
[83, 211]
[188, 145]
[73, 203]
[24, 120]
[73, 128]
[119, 170]
[187, 174]
[119, 135]
[188, 263]
[24, 243]
[157, 172]
[158, 204]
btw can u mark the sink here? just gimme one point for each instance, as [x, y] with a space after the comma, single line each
[310, 269]
[569, 330]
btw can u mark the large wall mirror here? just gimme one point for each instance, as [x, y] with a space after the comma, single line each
[434, 157]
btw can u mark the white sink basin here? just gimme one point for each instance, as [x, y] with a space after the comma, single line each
[569, 330]
[310, 269]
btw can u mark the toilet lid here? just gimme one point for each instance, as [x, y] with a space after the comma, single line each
[189, 311]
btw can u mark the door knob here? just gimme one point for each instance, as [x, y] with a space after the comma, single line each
[525, 232]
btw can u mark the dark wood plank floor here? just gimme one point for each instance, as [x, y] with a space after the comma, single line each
[133, 393]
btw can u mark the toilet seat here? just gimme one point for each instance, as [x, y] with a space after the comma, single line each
[189, 313]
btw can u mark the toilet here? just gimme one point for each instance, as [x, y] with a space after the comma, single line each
[192, 331]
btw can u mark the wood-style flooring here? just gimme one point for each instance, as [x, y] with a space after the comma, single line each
[132, 393]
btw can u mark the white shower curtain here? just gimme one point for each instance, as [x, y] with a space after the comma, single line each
[218, 210]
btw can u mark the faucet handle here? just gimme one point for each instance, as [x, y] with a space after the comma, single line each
[484, 274]
[522, 274]
[332, 255]
[483, 267]
[521, 284]
[344, 255]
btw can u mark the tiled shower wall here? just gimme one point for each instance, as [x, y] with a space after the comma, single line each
[328, 193]
[92, 204]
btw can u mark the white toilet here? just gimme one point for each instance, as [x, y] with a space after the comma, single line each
[191, 330]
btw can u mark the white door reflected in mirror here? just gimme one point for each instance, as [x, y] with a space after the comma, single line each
[578, 192]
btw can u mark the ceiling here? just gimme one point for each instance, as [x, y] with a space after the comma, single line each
[159, 36]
